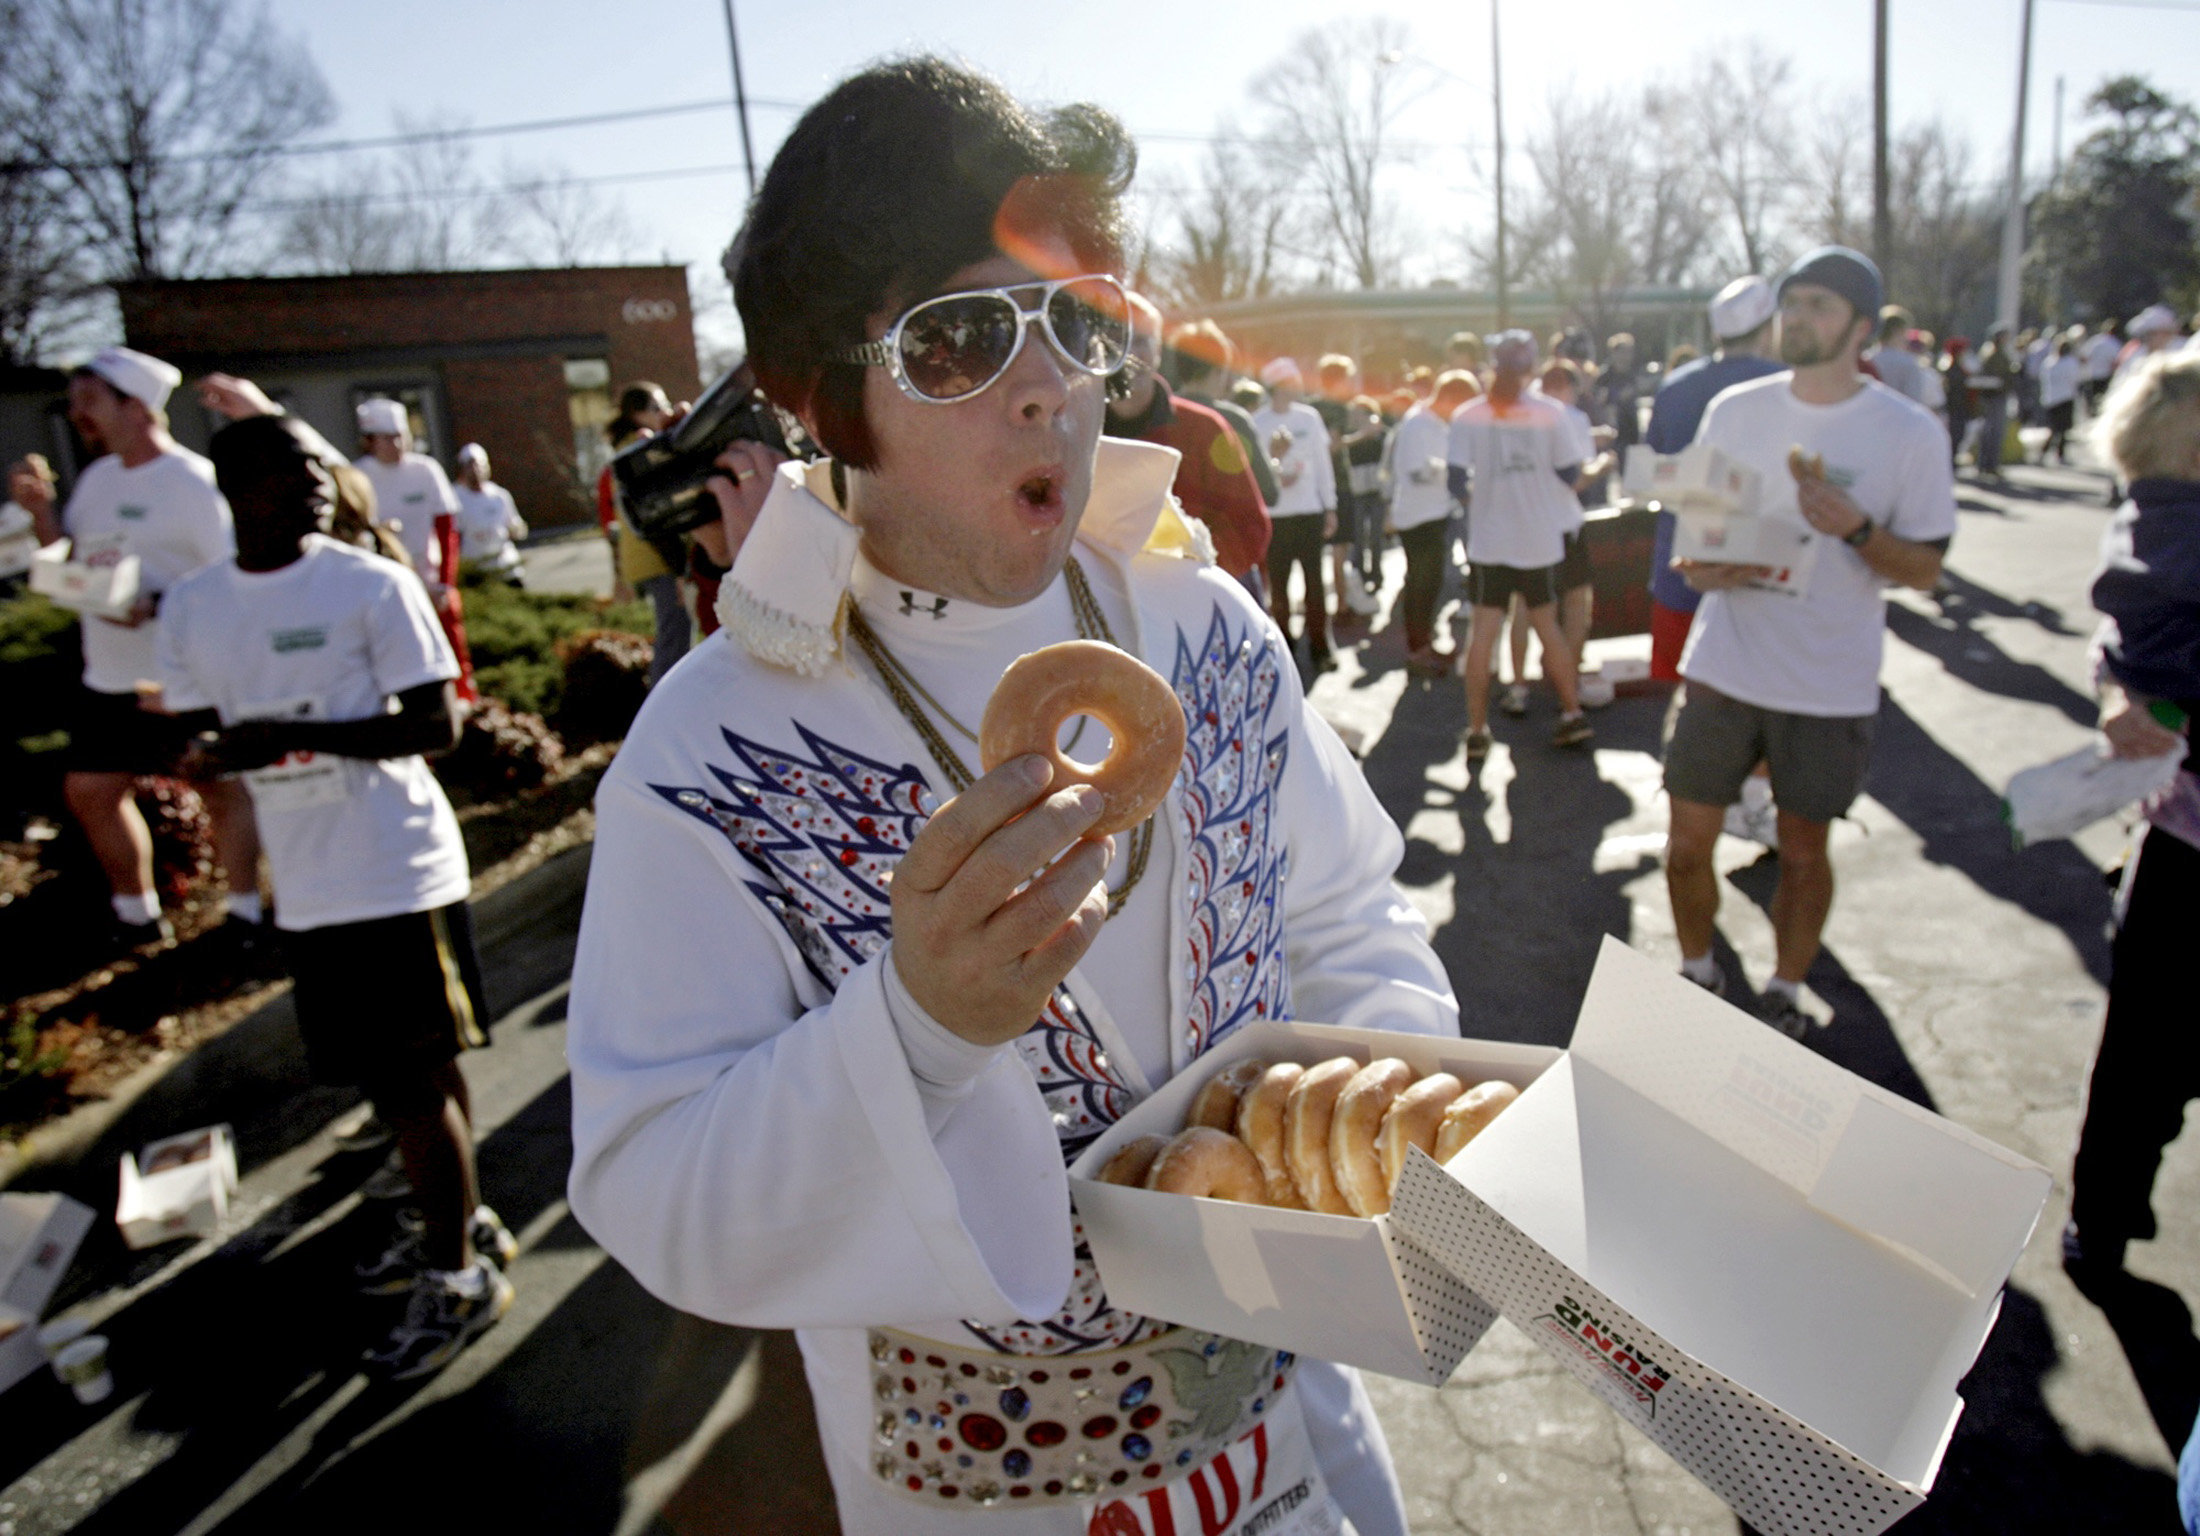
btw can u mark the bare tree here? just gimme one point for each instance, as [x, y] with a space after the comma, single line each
[1228, 230]
[1330, 104]
[1833, 175]
[157, 119]
[551, 218]
[424, 207]
[1946, 233]
[1744, 129]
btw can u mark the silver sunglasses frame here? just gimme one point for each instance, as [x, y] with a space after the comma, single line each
[886, 351]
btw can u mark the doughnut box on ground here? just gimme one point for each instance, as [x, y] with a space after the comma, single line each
[1774, 1269]
[39, 1236]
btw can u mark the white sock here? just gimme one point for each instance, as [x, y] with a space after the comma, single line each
[137, 910]
[1701, 969]
[473, 1280]
[1791, 990]
[245, 907]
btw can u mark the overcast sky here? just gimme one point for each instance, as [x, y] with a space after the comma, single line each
[1171, 70]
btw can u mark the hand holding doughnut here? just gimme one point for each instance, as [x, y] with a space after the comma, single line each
[997, 897]
[1088, 677]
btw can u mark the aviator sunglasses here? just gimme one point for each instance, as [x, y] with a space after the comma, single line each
[950, 348]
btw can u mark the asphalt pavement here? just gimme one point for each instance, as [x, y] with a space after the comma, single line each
[1958, 973]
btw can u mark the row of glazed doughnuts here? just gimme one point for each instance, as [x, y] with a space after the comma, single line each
[1330, 1137]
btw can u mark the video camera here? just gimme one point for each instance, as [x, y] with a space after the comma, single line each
[659, 481]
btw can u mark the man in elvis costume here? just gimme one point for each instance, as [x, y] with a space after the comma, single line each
[844, 1010]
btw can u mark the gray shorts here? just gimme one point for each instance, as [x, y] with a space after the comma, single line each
[1817, 762]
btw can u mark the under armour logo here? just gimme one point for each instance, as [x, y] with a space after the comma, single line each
[909, 607]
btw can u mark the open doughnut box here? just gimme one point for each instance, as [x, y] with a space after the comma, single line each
[1772, 1268]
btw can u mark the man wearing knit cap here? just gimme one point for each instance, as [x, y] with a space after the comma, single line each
[148, 497]
[1786, 671]
[1741, 319]
[410, 489]
[1305, 513]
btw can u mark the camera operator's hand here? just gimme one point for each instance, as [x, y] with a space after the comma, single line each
[976, 953]
[740, 492]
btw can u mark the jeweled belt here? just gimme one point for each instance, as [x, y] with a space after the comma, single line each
[956, 1424]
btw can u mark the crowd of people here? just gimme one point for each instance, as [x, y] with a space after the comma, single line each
[818, 933]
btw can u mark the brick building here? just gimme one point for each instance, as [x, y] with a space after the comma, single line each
[526, 363]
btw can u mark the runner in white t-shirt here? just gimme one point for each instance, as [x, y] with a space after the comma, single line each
[1788, 672]
[410, 489]
[488, 522]
[1510, 454]
[300, 647]
[1588, 446]
[146, 497]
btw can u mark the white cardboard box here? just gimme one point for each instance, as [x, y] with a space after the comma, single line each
[39, 1236]
[1720, 516]
[105, 587]
[1774, 1269]
[179, 1186]
[1334, 1287]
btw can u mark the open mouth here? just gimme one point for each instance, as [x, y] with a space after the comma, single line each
[1041, 495]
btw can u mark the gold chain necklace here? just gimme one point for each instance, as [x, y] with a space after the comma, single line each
[903, 687]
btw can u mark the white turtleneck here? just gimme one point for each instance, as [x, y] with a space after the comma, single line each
[958, 650]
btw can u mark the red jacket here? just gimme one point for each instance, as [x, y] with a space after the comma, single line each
[1215, 480]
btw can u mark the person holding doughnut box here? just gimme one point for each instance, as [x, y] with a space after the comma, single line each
[872, 951]
[1791, 678]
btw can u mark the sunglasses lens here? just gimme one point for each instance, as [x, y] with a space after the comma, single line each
[955, 346]
[1091, 324]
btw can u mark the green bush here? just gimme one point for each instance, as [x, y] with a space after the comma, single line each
[514, 636]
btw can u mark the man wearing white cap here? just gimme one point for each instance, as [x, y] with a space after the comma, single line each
[1741, 319]
[410, 489]
[488, 521]
[147, 497]
[1305, 514]
[2152, 330]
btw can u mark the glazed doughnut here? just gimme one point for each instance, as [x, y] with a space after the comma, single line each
[1217, 1104]
[1360, 1110]
[1208, 1163]
[1806, 466]
[1412, 1121]
[1469, 1115]
[1307, 1115]
[1086, 677]
[1133, 1161]
[1260, 1127]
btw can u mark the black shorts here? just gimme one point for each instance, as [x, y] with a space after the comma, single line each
[108, 733]
[390, 999]
[1573, 566]
[1495, 586]
[1817, 761]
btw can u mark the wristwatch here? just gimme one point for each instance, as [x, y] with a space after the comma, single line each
[1861, 535]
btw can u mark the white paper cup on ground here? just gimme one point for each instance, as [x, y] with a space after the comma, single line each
[82, 1363]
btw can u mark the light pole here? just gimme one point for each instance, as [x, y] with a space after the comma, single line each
[2012, 223]
[741, 98]
[1882, 235]
[1497, 117]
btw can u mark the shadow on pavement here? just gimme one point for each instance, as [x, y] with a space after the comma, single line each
[2154, 1326]
[2010, 1471]
[1530, 909]
[1954, 641]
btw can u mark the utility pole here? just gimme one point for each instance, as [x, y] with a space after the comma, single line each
[1882, 235]
[1497, 113]
[741, 98]
[2054, 177]
[2012, 224]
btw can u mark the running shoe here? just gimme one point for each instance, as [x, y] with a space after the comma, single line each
[387, 1182]
[1716, 986]
[1514, 700]
[1478, 745]
[442, 1316]
[1784, 1014]
[1573, 731]
[396, 1267]
[363, 1131]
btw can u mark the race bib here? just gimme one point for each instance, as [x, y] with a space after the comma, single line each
[298, 780]
[1264, 1483]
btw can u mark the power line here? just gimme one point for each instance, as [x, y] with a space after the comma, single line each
[499, 189]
